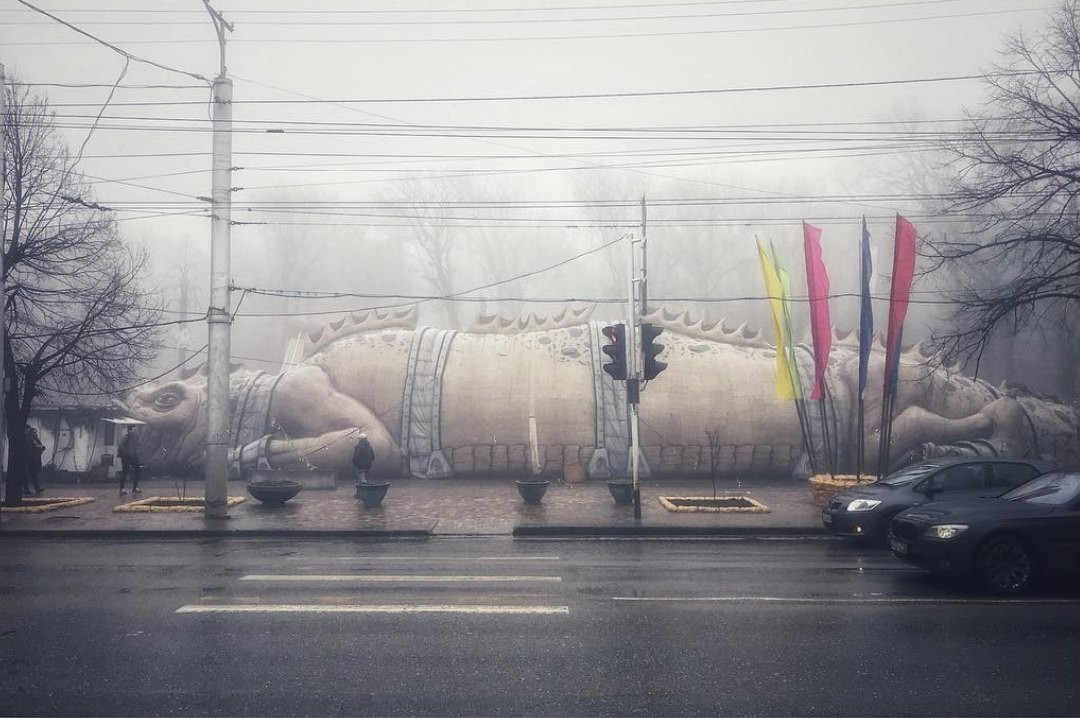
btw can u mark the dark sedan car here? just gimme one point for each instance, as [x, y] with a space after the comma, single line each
[864, 512]
[1007, 542]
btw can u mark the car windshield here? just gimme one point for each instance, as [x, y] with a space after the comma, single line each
[1052, 488]
[909, 474]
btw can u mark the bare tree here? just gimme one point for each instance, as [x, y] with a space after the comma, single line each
[1015, 174]
[76, 322]
[432, 239]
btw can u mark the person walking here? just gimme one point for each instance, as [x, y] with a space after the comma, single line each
[362, 458]
[128, 451]
[33, 461]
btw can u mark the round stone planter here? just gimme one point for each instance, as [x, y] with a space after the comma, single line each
[823, 486]
[532, 492]
[622, 490]
[372, 493]
[275, 491]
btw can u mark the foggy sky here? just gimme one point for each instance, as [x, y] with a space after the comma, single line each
[344, 194]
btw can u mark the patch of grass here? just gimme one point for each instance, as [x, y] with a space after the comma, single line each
[164, 504]
[35, 505]
[719, 504]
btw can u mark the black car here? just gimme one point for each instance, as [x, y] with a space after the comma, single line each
[864, 512]
[1007, 542]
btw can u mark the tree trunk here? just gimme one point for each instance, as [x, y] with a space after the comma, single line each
[15, 478]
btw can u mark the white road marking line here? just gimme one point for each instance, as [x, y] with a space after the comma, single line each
[867, 601]
[425, 559]
[404, 578]
[389, 608]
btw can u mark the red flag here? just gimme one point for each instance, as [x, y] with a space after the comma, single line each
[903, 271]
[817, 285]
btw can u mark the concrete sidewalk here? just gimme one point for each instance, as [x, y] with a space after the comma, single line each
[423, 508]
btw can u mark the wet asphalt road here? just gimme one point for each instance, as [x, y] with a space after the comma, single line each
[493, 626]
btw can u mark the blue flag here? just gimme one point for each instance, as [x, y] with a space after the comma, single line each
[866, 313]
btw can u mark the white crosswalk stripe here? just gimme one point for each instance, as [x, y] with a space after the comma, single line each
[395, 578]
[374, 608]
[429, 585]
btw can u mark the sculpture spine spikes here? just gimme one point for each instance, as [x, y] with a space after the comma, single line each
[357, 322]
[743, 335]
[569, 317]
[185, 374]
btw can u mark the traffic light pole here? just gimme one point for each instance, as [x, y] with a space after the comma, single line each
[631, 360]
[633, 379]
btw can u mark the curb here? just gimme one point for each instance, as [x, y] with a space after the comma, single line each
[217, 533]
[661, 531]
[425, 533]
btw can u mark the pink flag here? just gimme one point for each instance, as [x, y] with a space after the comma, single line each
[817, 285]
[903, 271]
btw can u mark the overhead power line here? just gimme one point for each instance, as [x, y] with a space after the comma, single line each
[293, 40]
[96, 85]
[611, 95]
[430, 11]
[124, 53]
[607, 18]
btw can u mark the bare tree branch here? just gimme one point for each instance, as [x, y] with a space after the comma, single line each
[1017, 170]
[75, 317]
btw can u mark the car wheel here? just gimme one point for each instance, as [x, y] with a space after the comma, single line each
[1007, 565]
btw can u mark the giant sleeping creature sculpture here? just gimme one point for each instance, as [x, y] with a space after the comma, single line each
[512, 397]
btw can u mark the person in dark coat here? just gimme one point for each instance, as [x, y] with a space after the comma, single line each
[362, 458]
[128, 451]
[34, 450]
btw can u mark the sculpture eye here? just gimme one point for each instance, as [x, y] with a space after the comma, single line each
[167, 399]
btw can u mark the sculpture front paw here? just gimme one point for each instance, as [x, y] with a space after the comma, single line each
[251, 456]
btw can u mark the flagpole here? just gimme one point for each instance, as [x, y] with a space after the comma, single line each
[886, 434]
[903, 270]
[826, 435]
[800, 401]
[804, 427]
[785, 349]
[860, 439]
[860, 443]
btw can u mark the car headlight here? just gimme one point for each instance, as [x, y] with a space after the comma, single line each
[863, 505]
[946, 531]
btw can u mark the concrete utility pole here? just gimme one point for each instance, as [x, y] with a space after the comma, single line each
[218, 316]
[3, 238]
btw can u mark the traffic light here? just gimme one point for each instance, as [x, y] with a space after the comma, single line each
[616, 349]
[650, 349]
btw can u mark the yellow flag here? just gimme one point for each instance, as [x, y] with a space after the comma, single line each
[789, 343]
[785, 389]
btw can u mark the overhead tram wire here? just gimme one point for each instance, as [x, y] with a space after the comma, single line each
[509, 38]
[683, 92]
[99, 85]
[680, 178]
[786, 132]
[124, 53]
[531, 21]
[413, 299]
[615, 95]
[606, 225]
[426, 11]
[491, 285]
[756, 156]
[595, 134]
[541, 154]
[550, 38]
